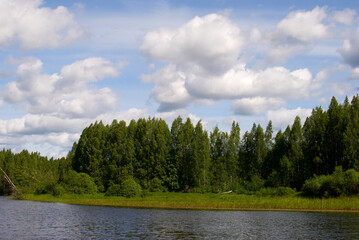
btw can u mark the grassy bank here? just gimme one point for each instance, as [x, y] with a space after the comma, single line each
[209, 201]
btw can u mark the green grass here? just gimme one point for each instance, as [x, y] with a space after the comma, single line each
[209, 201]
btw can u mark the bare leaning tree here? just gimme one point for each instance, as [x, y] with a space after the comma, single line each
[9, 180]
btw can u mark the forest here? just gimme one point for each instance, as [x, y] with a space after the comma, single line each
[319, 157]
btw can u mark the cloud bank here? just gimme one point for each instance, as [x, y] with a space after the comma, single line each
[204, 63]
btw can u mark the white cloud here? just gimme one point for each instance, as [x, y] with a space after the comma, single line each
[169, 90]
[64, 95]
[88, 70]
[350, 54]
[211, 43]
[291, 37]
[256, 105]
[177, 89]
[355, 73]
[312, 20]
[53, 136]
[204, 65]
[171, 115]
[340, 88]
[12, 94]
[127, 115]
[255, 35]
[350, 50]
[346, 16]
[35, 124]
[26, 23]
[284, 117]
[240, 82]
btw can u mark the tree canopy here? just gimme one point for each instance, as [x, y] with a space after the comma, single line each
[186, 157]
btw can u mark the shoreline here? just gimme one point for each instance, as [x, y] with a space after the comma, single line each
[185, 201]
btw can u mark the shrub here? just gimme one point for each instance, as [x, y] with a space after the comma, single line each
[331, 187]
[240, 189]
[155, 185]
[80, 183]
[255, 184]
[337, 184]
[45, 187]
[58, 190]
[284, 191]
[351, 181]
[313, 186]
[130, 188]
[18, 195]
[114, 190]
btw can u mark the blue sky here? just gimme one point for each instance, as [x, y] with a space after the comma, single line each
[66, 64]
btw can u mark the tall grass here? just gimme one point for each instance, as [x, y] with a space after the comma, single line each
[209, 201]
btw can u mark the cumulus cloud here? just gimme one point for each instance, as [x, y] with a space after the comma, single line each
[88, 70]
[355, 73]
[256, 105]
[127, 115]
[169, 90]
[63, 95]
[350, 50]
[51, 135]
[284, 117]
[174, 89]
[204, 64]
[35, 124]
[26, 23]
[241, 82]
[52, 145]
[346, 16]
[211, 43]
[290, 36]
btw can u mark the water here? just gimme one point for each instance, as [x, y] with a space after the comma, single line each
[36, 220]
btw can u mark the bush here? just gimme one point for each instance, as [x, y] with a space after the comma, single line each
[18, 195]
[255, 184]
[130, 188]
[351, 181]
[313, 186]
[337, 184]
[49, 187]
[80, 183]
[58, 190]
[285, 191]
[114, 190]
[240, 189]
[45, 187]
[155, 185]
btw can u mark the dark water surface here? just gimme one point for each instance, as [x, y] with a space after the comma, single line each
[37, 220]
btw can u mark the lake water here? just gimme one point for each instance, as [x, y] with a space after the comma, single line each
[37, 220]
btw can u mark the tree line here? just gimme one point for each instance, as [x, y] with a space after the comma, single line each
[186, 157]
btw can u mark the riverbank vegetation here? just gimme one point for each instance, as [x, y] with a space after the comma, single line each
[210, 201]
[320, 157]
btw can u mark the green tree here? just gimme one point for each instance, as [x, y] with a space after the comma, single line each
[185, 154]
[296, 153]
[232, 156]
[351, 137]
[314, 131]
[218, 143]
[334, 137]
[201, 157]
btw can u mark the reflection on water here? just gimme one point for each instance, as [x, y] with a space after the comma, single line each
[36, 220]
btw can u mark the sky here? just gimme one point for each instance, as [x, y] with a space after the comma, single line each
[66, 64]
